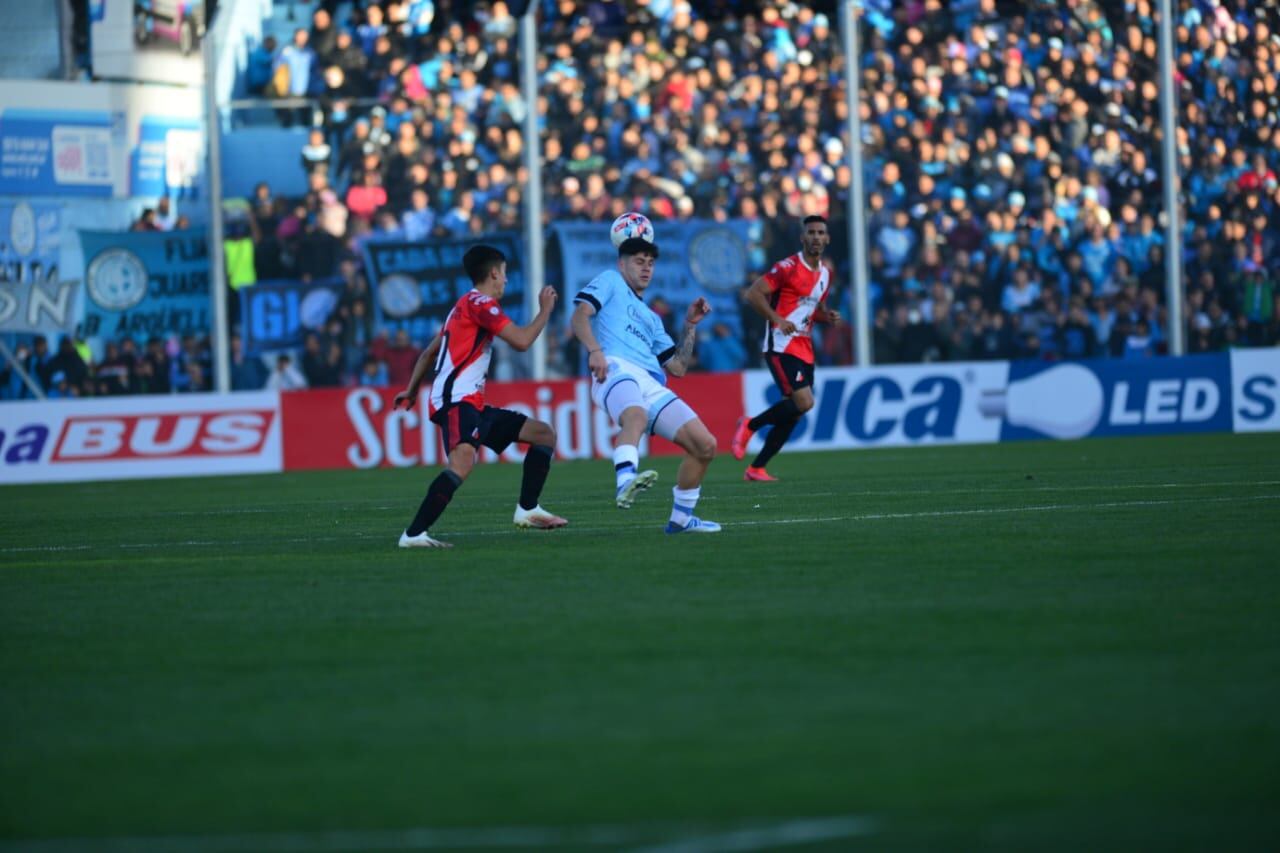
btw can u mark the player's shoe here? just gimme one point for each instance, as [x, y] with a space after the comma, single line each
[758, 475]
[422, 540]
[628, 492]
[693, 525]
[537, 519]
[741, 435]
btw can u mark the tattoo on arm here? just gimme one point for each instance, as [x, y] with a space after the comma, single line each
[684, 352]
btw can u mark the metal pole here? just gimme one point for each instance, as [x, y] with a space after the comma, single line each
[860, 327]
[1171, 182]
[217, 258]
[534, 274]
[34, 388]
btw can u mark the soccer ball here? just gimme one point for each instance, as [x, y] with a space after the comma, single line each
[630, 225]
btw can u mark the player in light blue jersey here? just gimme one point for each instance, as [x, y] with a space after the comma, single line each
[629, 354]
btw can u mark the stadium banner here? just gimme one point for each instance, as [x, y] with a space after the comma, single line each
[1102, 397]
[698, 257]
[146, 283]
[109, 140]
[168, 158]
[899, 405]
[1010, 401]
[33, 296]
[276, 315]
[1255, 389]
[121, 438]
[362, 430]
[156, 41]
[55, 152]
[415, 284]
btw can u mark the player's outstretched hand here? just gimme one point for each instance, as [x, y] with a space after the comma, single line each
[406, 398]
[547, 298]
[833, 317]
[698, 309]
[598, 365]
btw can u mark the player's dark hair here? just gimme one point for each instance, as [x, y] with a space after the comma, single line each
[814, 218]
[481, 260]
[637, 246]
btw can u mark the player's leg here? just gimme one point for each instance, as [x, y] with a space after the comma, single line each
[802, 400]
[779, 413]
[541, 439]
[461, 460]
[454, 423]
[677, 423]
[795, 378]
[629, 480]
[622, 398]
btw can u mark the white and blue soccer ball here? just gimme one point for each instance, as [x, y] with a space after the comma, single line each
[630, 225]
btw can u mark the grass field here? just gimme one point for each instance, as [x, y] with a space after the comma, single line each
[1020, 647]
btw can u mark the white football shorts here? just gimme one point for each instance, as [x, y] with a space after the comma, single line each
[628, 384]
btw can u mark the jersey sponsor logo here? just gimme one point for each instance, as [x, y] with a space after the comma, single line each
[639, 326]
[162, 436]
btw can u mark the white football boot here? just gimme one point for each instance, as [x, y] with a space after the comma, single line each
[422, 540]
[538, 519]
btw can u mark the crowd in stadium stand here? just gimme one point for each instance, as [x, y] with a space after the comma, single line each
[1011, 158]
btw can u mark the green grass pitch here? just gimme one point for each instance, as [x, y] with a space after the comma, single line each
[1019, 647]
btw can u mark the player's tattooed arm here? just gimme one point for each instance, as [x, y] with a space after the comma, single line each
[421, 369]
[680, 363]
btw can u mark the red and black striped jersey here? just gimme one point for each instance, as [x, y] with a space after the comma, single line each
[797, 290]
[463, 360]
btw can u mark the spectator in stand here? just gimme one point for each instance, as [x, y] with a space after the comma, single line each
[146, 221]
[399, 357]
[366, 199]
[419, 221]
[317, 156]
[324, 35]
[37, 362]
[721, 351]
[70, 364]
[285, 377]
[260, 67]
[114, 374]
[166, 218]
[373, 372]
[247, 373]
[298, 61]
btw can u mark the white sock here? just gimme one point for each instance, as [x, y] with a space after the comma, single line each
[626, 460]
[684, 502]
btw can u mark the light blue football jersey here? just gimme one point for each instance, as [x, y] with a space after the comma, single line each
[625, 326]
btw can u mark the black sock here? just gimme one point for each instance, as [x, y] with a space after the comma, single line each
[779, 413]
[438, 497]
[536, 464]
[773, 442]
